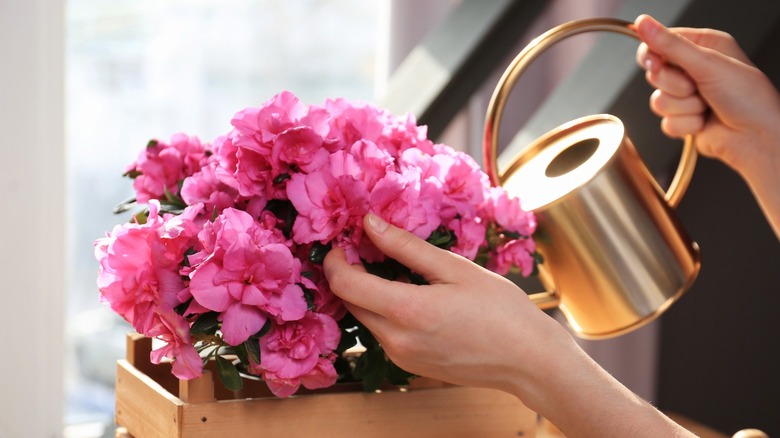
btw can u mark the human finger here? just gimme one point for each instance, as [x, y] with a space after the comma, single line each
[671, 80]
[647, 59]
[665, 104]
[356, 286]
[434, 264]
[374, 322]
[716, 40]
[700, 62]
[681, 125]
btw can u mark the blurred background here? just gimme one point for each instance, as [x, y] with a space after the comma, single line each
[137, 70]
[91, 81]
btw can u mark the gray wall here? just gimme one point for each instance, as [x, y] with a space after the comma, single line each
[719, 360]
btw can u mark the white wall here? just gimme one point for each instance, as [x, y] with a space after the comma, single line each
[32, 231]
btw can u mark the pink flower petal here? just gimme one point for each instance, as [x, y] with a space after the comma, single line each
[239, 322]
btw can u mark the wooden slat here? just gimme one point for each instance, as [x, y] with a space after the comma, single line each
[200, 390]
[138, 348]
[146, 409]
[143, 407]
[451, 412]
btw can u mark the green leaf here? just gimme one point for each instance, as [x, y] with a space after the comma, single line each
[241, 351]
[308, 294]
[141, 217]
[344, 370]
[252, 346]
[181, 308]
[372, 368]
[172, 199]
[264, 331]
[281, 178]
[132, 173]
[348, 321]
[285, 211]
[174, 211]
[389, 269]
[206, 324]
[366, 338]
[318, 252]
[124, 206]
[190, 251]
[442, 237]
[538, 260]
[228, 374]
[152, 144]
[416, 278]
[347, 340]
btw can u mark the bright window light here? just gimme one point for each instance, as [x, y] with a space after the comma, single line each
[142, 69]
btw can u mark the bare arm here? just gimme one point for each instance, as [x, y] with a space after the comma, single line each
[472, 327]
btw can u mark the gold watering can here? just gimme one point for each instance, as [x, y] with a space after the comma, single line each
[615, 254]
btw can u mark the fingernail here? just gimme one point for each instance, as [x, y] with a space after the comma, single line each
[648, 27]
[648, 63]
[377, 224]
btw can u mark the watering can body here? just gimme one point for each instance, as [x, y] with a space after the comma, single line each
[615, 254]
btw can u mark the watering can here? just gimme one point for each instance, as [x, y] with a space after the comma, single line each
[615, 254]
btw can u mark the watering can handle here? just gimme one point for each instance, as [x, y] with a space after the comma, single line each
[682, 177]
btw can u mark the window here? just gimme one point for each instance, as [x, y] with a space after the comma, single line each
[139, 69]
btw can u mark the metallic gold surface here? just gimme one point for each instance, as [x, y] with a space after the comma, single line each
[615, 256]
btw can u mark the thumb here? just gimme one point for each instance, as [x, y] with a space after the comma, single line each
[433, 263]
[701, 63]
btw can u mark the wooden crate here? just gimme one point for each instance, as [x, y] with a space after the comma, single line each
[151, 402]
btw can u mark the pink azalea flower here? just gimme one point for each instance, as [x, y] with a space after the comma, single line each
[324, 300]
[253, 174]
[516, 252]
[299, 147]
[470, 236]
[371, 162]
[257, 127]
[247, 276]
[322, 375]
[175, 332]
[508, 213]
[161, 166]
[321, 169]
[227, 162]
[351, 122]
[292, 351]
[204, 187]
[326, 205]
[402, 133]
[139, 265]
[463, 183]
[407, 202]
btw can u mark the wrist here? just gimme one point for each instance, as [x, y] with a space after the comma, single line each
[563, 384]
[761, 153]
[540, 366]
[762, 175]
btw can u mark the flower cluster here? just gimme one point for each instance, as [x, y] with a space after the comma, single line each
[226, 256]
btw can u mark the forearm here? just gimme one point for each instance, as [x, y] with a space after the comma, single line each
[568, 388]
[763, 177]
